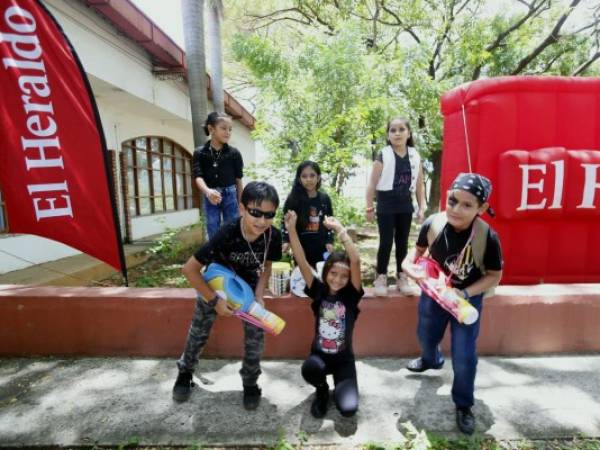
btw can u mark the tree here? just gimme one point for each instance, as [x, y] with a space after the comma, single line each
[322, 100]
[193, 28]
[215, 15]
[428, 46]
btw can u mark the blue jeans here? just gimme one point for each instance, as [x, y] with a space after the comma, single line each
[228, 208]
[433, 320]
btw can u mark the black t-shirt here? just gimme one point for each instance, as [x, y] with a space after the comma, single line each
[448, 246]
[218, 168]
[318, 207]
[334, 318]
[399, 199]
[229, 248]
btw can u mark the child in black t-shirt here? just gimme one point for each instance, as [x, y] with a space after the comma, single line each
[218, 169]
[335, 306]
[311, 206]
[247, 245]
[469, 252]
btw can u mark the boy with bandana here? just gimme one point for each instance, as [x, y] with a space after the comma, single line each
[469, 251]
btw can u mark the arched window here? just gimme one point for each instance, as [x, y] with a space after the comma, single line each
[159, 176]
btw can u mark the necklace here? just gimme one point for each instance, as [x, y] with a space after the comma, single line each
[460, 259]
[261, 266]
[215, 159]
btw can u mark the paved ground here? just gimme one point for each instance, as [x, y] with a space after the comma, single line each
[75, 402]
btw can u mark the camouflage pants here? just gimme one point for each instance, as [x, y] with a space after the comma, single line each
[202, 322]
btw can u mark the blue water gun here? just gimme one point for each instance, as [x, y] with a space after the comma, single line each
[240, 297]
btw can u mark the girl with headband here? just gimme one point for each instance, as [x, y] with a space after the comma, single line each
[335, 306]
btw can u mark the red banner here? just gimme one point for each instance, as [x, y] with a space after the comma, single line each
[54, 170]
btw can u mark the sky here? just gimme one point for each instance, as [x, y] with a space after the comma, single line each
[166, 14]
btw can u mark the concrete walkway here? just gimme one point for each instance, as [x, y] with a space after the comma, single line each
[84, 270]
[76, 270]
[86, 402]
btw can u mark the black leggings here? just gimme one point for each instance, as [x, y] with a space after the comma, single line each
[392, 227]
[315, 370]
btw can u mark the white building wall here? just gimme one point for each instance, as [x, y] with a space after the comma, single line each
[156, 223]
[132, 103]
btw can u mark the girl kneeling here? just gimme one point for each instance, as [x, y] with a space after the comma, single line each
[335, 306]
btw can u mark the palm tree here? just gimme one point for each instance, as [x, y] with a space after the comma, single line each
[193, 30]
[215, 64]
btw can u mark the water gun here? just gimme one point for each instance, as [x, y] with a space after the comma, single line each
[437, 285]
[240, 297]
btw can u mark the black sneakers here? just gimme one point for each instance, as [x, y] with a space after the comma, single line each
[251, 397]
[417, 365]
[465, 420]
[318, 408]
[183, 387]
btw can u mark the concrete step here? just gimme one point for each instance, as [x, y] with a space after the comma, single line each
[77, 270]
[82, 269]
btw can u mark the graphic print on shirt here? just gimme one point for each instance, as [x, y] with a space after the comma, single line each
[332, 326]
[461, 265]
[246, 259]
[313, 220]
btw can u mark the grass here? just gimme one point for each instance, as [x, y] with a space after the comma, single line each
[414, 440]
[167, 254]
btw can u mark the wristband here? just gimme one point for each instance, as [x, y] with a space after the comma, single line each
[465, 294]
[213, 302]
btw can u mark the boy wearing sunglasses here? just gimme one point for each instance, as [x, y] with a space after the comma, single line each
[247, 245]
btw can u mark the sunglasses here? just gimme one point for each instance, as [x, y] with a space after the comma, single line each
[258, 213]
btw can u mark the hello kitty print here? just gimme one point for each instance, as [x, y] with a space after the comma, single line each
[332, 327]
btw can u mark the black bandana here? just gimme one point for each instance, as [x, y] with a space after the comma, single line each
[473, 183]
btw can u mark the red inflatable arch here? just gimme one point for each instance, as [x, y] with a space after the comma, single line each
[538, 140]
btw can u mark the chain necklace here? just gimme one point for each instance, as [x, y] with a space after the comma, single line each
[460, 258]
[215, 159]
[261, 266]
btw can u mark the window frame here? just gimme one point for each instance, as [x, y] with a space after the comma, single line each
[144, 200]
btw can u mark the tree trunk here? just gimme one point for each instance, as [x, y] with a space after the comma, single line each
[433, 205]
[193, 30]
[215, 61]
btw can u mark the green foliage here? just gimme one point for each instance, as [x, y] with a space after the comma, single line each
[329, 74]
[328, 105]
[163, 268]
[167, 244]
[132, 442]
[283, 444]
[347, 211]
[194, 447]
[433, 442]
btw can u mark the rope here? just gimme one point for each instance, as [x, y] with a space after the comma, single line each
[464, 115]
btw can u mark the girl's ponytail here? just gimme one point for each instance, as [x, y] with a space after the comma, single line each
[212, 120]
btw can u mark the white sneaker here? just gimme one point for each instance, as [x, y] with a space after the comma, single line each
[380, 285]
[406, 286]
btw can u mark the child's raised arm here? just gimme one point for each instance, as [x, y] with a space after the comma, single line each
[290, 219]
[333, 224]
